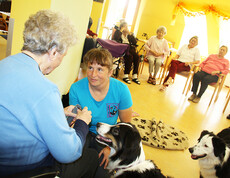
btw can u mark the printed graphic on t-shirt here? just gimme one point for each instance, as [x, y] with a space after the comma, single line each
[112, 109]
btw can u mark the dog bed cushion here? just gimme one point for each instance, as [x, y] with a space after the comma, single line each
[160, 135]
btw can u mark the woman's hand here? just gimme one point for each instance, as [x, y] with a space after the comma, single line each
[105, 151]
[186, 63]
[215, 72]
[84, 115]
[68, 111]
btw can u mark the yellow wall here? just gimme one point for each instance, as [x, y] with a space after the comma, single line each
[78, 11]
[103, 16]
[213, 33]
[20, 11]
[96, 14]
[159, 13]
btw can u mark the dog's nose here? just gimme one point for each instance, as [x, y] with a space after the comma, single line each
[191, 150]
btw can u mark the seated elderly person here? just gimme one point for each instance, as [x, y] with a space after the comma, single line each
[187, 55]
[34, 129]
[122, 35]
[157, 49]
[209, 72]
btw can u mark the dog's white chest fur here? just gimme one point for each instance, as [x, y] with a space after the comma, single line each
[141, 167]
[207, 167]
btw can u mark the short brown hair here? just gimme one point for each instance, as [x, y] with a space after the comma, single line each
[99, 55]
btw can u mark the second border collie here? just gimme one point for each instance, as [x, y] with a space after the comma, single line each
[128, 159]
[213, 153]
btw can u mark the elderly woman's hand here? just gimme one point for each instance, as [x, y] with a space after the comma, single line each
[186, 64]
[105, 151]
[215, 72]
[84, 115]
[68, 111]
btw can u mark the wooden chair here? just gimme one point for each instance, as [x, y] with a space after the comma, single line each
[143, 59]
[165, 68]
[217, 86]
[188, 75]
[227, 100]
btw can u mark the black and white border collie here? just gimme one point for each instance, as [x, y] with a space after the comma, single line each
[128, 158]
[213, 153]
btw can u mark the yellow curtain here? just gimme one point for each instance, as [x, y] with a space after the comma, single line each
[189, 10]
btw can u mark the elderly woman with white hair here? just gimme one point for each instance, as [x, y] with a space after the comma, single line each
[186, 56]
[34, 129]
[157, 50]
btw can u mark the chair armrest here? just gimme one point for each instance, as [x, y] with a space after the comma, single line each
[195, 67]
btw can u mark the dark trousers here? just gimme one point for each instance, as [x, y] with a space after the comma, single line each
[205, 79]
[93, 144]
[84, 167]
[89, 44]
[131, 58]
[176, 67]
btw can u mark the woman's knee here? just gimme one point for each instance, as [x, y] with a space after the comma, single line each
[158, 63]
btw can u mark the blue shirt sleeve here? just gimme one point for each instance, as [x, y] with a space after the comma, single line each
[63, 142]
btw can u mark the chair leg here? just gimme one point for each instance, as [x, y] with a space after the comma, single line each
[228, 93]
[212, 96]
[187, 83]
[218, 92]
[160, 73]
[163, 76]
[226, 103]
[141, 66]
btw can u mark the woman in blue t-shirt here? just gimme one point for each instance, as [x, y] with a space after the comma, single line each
[106, 97]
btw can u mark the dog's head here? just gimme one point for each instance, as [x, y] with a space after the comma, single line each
[209, 146]
[124, 138]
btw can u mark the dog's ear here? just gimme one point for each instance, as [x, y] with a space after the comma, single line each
[219, 147]
[132, 139]
[131, 147]
[203, 133]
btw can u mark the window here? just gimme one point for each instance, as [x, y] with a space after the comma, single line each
[224, 37]
[196, 26]
[119, 9]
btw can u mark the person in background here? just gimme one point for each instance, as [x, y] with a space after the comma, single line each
[157, 50]
[106, 97]
[187, 56]
[209, 71]
[90, 33]
[34, 129]
[122, 35]
[90, 40]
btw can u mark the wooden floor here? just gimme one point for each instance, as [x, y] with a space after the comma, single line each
[175, 110]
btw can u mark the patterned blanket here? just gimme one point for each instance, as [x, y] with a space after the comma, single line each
[160, 135]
